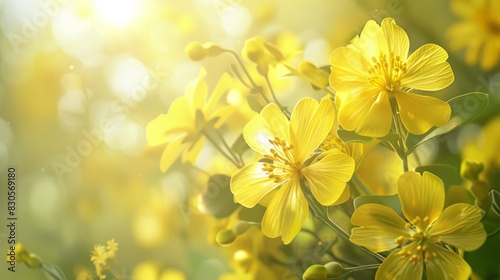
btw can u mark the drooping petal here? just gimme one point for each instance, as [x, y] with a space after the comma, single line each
[250, 184]
[349, 69]
[379, 227]
[419, 112]
[367, 113]
[397, 266]
[327, 178]
[427, 69]
[286, 213]
[159, 130]
[310, 123]
[171, 153]
[269, 124]
[446, 265]
[397, 39]
[459, 225]
[421, 196]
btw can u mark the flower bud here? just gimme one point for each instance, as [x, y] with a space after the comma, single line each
[212, 49]
[315, 272]
[225, 237]
[334, 269]
[240, 227]
[196, 51]
[33, 261]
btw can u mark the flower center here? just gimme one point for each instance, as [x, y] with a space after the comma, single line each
[283, 166]
[386, 72]
[417, 248]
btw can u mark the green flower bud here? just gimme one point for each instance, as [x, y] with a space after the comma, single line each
[33, 261]
[196, 51]
[225, 237]
[334, 269]
[240, 227]
[315, 272]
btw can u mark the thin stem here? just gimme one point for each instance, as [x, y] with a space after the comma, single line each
[362, 267]
[400, 130]
[201, 170]
[228, 148]
[271, 90]
[358, 183]
[238, 59]
[219, 148]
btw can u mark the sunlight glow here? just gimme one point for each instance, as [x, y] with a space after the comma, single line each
[118, 13]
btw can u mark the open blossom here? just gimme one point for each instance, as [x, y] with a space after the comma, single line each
[179, 129]
[289, 147]
[421, 240]
[375, 69]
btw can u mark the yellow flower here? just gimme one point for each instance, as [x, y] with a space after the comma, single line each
[375, 68]
[478, 33]
[111, 247]
[181, 129]
[426, 238]
[288, 147]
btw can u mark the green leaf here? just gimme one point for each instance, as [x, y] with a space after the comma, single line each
[491, 223]
[391, 201]
[464, 109]
[217, 198]
[240, 146]
[448, 173]
[254, 214]
[351, 136]
[495, 201]
[53, 272]
[254, 103]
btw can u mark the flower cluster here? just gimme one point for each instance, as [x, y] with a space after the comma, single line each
[295, 168]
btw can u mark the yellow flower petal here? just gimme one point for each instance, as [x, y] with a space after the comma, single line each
[491, 51]
[327, 178]
[427, 69]
[349, 69]
[372, 40]
[286, 212]
[459, 225]
[250, 184]
[380, 227]
[220, 89]
[421, 196]
[309, 126]
[419, 113]
[397, 39]
[368, 113]
[196, 93]
[269, 124]
[446, 265]
[170, 153]
[159, 130]
[396, 266]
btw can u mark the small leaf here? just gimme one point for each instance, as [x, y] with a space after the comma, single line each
[254, 103]
[240, 146]
[464, 109]
[495, 201]
[351, 136]
[217, 198]
[391, 201]
[447, 173]
[254, 214]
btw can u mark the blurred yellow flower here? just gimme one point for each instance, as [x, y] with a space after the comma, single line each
[425, 239]
[479, 31]
[182, 129]
[375, 68]
[288, 145]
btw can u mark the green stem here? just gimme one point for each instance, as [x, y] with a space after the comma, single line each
[228, 148]
[219, 148]
[285, 110]
[362, 267]
[240, 62]
[357, 181]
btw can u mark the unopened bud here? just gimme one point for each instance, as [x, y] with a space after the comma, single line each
[225, 237]
[334, 269]
[33, 261]
[240, 227]
[315, 272]
[196, 51]
[213, 49]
